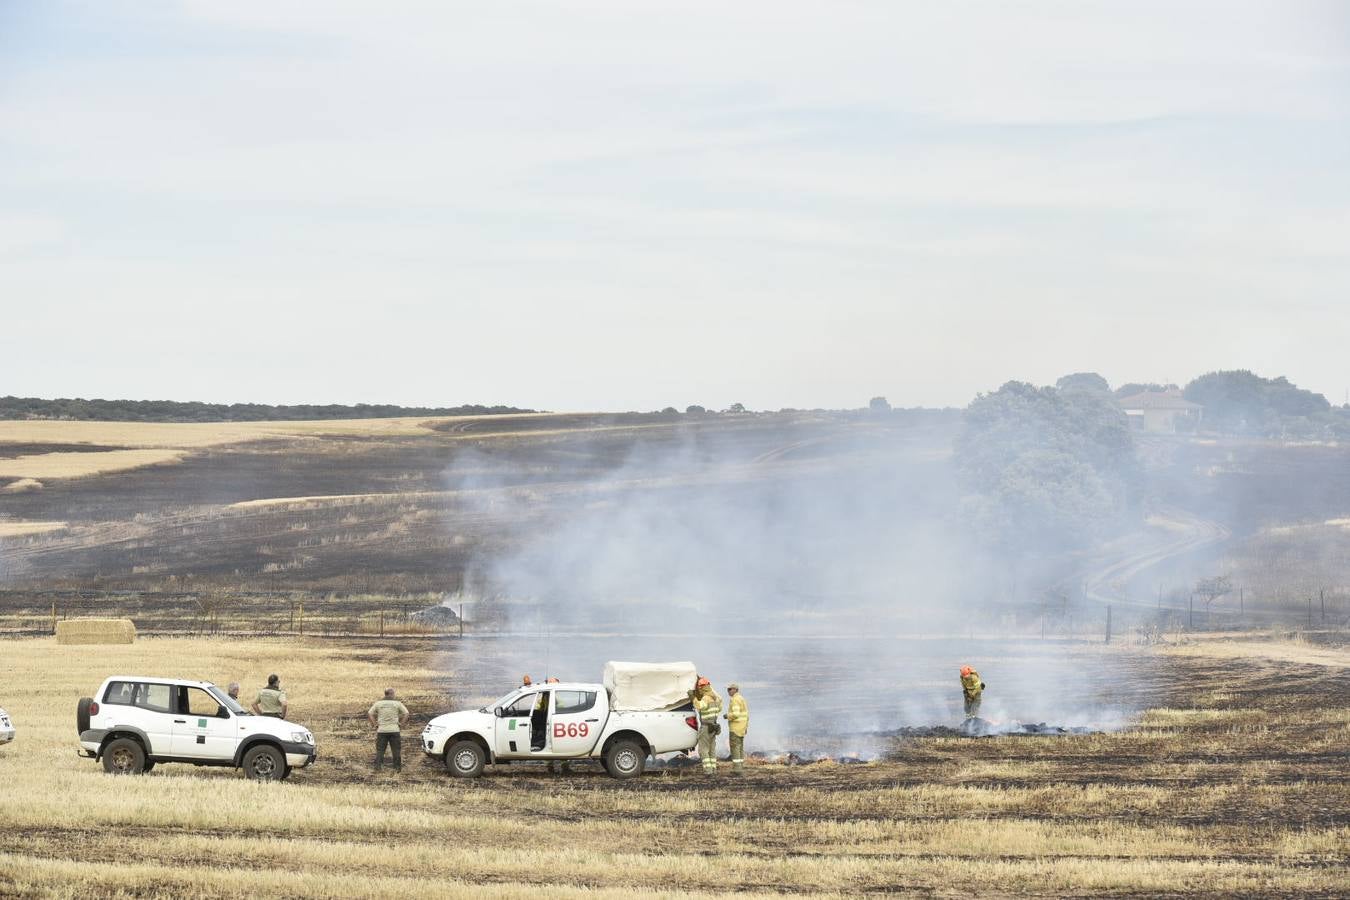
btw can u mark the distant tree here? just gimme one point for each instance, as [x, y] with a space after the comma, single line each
[736, 408]
[1045, 467]
[1211, 589]
[670, 411]
[1242, 401]
[1136, 387]
[1083, 381]
[695, 410]
[879, 405]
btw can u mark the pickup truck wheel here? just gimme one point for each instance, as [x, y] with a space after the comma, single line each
[625, 759]
[123, 756]
[264, 763]
[465, 759]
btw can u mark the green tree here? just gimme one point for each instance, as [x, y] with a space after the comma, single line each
[1241, 401]
[1083, 381]
[1045, 465]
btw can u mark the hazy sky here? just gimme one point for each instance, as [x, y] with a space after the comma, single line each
[624, 205]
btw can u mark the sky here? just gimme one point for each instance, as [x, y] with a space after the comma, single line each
[610, 205]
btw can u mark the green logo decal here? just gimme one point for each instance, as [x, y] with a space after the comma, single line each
[201, 723]
[512, 726]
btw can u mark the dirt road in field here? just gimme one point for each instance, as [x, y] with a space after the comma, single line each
[1173, 533]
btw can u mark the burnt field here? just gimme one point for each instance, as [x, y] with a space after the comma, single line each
[323, 520]
[1230, 782]
[816, 559]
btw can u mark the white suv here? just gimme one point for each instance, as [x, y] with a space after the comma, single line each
[136, 721]
[6, 727]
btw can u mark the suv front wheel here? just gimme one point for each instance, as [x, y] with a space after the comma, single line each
[124, 756]
[265, 763]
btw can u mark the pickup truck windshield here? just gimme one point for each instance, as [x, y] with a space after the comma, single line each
[501, 701]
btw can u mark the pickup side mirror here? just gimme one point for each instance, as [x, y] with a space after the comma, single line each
[497, 711]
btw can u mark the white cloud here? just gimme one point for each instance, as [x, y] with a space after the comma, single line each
[603, 205]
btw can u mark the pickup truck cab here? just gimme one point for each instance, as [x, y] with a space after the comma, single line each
[136, 721]
[571, 720]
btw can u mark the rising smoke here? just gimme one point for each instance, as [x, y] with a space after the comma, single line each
[829, 575]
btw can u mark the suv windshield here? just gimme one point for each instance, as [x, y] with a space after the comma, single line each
[227, 701]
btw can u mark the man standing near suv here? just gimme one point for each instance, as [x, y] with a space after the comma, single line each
[271, 700]
[388, 716]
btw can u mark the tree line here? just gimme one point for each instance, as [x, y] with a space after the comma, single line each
[79, 409]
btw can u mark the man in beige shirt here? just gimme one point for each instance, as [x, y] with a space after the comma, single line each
[388, 716]
[271, 700]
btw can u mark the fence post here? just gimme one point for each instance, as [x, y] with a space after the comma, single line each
[1309, 612]
[461, 620]
[302, 618]
[1108, 623]
[1241, 603]
[1322, 595]
[53, 618]
[1192, 625]
[381, 623]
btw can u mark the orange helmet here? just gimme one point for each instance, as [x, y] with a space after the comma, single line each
[702, 682]
[551, 681]
[966, 670]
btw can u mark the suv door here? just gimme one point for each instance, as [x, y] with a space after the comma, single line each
[202, 727]
[513, 728]
[144, 705]
[575, 724]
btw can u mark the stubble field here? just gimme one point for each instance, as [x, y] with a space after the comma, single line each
[1237, 785]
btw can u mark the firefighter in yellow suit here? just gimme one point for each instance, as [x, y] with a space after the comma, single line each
[709, 706]
[971, 688]
[738, 723]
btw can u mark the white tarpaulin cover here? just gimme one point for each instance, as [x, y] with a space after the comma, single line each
[633, 685]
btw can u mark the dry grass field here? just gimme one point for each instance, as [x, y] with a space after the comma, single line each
[1237, 785]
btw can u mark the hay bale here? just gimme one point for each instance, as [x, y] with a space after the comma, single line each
[95, 631]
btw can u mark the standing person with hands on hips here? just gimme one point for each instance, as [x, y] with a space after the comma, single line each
[388, 716]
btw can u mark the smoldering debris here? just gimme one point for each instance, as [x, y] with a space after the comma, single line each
[978, 727]
[678, 761]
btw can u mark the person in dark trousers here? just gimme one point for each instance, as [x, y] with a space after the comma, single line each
[271, 700]
[388, 716]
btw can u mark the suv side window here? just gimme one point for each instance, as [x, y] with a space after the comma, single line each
[522, 707]
[119, 693]
[154, 697]
[197, 702]
[573, 702]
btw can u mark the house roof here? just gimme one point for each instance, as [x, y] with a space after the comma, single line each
[1169, 399]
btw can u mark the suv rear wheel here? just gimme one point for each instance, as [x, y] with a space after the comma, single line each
[123, 756]
[465, 759]
[264, 763]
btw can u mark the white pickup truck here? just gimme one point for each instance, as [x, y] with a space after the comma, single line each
[572, 720]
